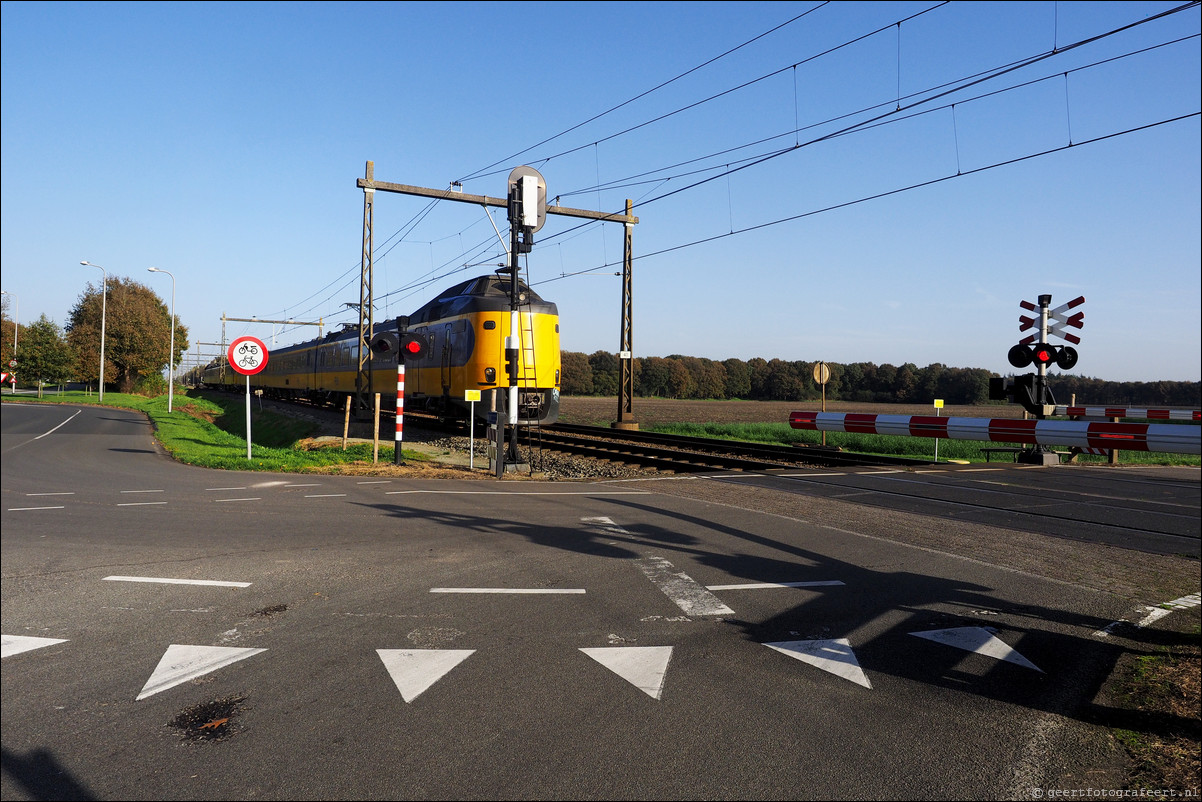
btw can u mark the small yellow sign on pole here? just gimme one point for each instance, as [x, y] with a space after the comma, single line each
[473, 396]
[938, 406]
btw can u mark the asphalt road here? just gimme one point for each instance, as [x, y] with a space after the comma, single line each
[176, 633]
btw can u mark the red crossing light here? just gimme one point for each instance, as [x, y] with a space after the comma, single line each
[414, 345]
[1043, 354]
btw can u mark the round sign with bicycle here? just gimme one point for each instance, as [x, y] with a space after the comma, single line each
[247, 355]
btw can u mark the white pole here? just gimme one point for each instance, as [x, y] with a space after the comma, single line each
[248, 417]
[104, 292]
[514, 342]
[171, 348]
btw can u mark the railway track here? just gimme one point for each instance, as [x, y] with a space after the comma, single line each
[691, 454]
[653, 451]
[677, 453]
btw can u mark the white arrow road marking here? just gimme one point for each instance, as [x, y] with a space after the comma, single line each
[415, 670]
[15, 644]
[644, 667]
[182, 663]
[979, 641]
[835, 656]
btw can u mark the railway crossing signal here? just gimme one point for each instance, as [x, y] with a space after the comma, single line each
[414, 345]
[1032, 391]
[1042, 355]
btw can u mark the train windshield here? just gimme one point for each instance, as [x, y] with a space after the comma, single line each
[496, 285]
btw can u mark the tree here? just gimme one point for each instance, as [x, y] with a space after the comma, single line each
[577, 377]
[45, 356]
[710, 382]
[605, 372]
[137, 333]
[680, 381]
[653, 377]
[9, 335]
[738, 378]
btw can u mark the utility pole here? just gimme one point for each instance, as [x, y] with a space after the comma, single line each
[369, 185]
[366, 306]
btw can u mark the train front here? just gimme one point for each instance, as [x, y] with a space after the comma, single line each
[467, 326]
[538, 356]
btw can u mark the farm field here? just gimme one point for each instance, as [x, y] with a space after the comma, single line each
[600, 411]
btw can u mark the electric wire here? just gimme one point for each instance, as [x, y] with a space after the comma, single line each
[752, 160]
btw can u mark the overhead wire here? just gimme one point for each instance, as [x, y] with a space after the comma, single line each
[483, 171]
[731, 167]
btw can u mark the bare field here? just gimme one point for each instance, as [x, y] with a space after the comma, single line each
[600, 411]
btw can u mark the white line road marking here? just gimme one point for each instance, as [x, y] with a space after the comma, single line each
[70, 493]
[219, 500]
[27, 509]
[520, 492]
[16, 644]
[310, 484]
[221, 489]
[687, 593]
[1153, 614]
[325, 495]
[182, 663]
[140, 503]
[607, 524]
[767, 585]
[508, 590]
[141, 491]
[208, 582]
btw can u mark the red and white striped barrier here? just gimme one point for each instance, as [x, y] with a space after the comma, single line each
[1131, 412]
[1164, 437]
[400, 409]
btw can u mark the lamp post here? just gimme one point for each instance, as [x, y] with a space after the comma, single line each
[171, 348]
[104, 291]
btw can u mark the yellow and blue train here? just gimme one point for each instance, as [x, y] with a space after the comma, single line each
[466, 326]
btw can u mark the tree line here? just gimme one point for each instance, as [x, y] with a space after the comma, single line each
[758, 379]
[137, 336]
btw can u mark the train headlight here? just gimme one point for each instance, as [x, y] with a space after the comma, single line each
[490, 375]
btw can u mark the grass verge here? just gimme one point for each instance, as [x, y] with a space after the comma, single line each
[209, 431]
[1158, 694]
[916, 447]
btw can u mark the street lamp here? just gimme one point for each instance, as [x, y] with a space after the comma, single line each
[171, 348]
[104, 291]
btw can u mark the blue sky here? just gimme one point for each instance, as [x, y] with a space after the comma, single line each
[222, 142]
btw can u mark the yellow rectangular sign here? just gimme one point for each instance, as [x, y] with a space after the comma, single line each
[471, 395]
